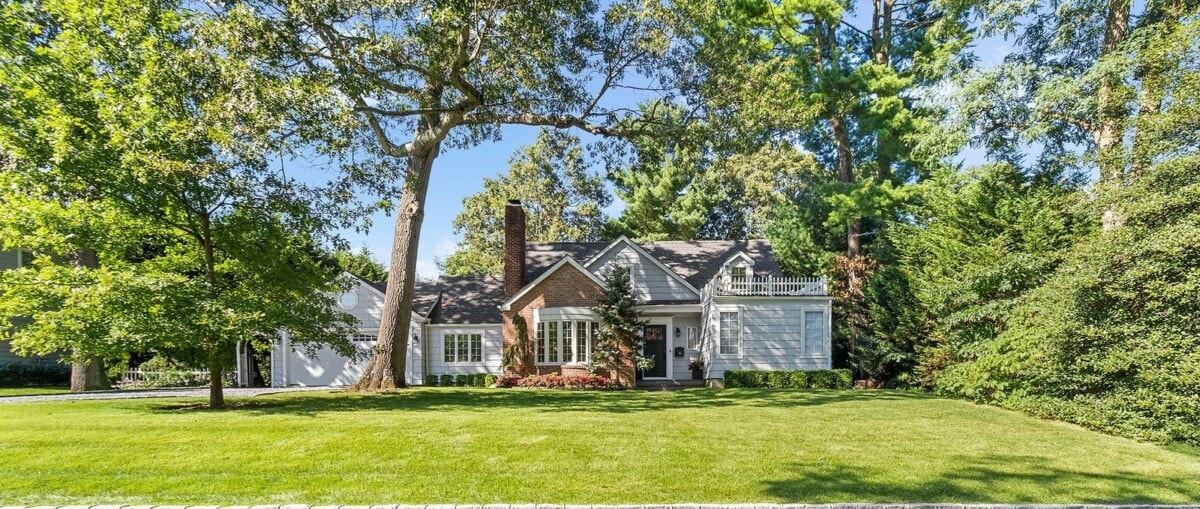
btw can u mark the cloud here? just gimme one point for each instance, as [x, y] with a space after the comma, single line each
[444, 247]
[426, 269]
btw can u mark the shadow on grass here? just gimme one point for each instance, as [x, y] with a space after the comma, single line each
[997, 478]
[485, 400]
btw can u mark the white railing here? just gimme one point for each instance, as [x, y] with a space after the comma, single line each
[137, 375]
[772, 286]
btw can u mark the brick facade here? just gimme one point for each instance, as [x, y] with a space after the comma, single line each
[565, 287]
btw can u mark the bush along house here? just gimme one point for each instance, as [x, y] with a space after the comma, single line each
[713, 304]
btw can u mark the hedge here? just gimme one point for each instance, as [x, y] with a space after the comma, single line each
[819, 379]
[463, 380]
[47, 373]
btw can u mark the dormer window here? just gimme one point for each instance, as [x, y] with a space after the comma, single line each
[738, 274]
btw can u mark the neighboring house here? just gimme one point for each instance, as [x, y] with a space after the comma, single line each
[13, 260]
[725, 302]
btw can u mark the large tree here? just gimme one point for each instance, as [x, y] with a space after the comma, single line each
[424, 77]
[119, 108]
[562, 197]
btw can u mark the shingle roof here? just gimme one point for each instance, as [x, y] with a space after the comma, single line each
[471, 300]
[696, 261]
[476, 300]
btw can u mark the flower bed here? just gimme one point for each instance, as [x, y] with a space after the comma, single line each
[556, 381]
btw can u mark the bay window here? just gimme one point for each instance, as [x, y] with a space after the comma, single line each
[564, 341]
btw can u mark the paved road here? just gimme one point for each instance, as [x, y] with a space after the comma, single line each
[200, 392]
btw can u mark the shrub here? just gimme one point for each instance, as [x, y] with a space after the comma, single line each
[842, 379]
[463, 380]
[777, 379]
[47, 373]
[479, 380]
[556, 381]
[431, 380]
[818, 379]
[446, 381]
[798, 380]
[489, 380]
[821, 379]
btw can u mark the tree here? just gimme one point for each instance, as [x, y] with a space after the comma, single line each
[563, 202]
[617, 347]
[120, 105]
[421, 76]
[361, 263]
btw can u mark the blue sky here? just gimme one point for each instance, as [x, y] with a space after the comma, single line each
[459, 173]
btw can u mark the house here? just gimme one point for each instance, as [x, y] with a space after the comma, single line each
[14, 259]
[725, 302]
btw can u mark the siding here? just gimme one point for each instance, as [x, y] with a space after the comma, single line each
[772, 336]
[680, 367]
[325, 367]
[492, 350]
[650, 282]
[8, 260]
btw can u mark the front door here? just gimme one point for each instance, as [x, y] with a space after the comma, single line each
[656, 348]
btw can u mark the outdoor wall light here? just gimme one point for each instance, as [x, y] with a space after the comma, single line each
[677, 332]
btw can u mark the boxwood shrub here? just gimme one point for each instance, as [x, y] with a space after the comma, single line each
[446, 381]
[817, 379]
[42, 374]
[431, 380]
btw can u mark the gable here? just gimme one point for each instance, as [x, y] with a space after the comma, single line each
[567, 278]
[651, 281]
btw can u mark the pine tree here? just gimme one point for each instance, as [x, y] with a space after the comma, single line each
[619, 343]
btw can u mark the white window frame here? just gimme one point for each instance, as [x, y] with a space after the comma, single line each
[565, 330]
[741, 330]
[459, 356]
[819, 341]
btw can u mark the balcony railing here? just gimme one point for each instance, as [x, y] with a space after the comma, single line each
[769, 286]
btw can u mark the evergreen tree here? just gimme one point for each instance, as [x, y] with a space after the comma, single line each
[618, 346]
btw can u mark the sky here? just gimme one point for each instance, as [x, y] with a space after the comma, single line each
[459, 173]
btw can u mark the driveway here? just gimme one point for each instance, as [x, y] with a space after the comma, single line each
[198, 392]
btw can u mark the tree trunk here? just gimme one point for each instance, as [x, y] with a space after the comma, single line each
[386, 369]
[1110, 111]
[216, 396]
[88, 375]
[87, 372]
[841, 140]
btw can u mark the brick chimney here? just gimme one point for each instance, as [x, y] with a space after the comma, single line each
[514, 247]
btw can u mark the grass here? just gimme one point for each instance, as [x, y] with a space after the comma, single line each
[514, 446]
[32, 391]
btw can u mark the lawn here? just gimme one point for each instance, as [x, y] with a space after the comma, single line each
[514, 446]
[32, 391]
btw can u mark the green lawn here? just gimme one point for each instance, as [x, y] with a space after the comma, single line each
[32, 391]
[513, 446]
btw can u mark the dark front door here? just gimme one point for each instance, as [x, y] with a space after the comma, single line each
[656, 348]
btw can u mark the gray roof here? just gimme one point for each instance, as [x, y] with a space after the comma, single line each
[477, 299]
[469, 299]
[696, 261]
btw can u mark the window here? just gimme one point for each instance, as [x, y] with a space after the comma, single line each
[731, 332]
[693, 338]
[363, 337]
[814, 332]
[476, 348]
[540, 343]
[461, 348]
[738, 274]
[565, 341]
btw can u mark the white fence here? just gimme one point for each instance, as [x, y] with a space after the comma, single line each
[773, 286]
[137, 375]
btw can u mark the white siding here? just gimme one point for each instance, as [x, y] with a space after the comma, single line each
[493, 345]
[325, 367]
[650, 282]
[681, 371]
[772, 335]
